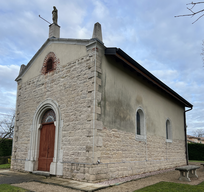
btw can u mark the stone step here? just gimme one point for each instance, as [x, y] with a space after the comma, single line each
[43, 173]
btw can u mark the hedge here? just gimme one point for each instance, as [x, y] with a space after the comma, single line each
[196, 151]
[6, 147]
[5, 160]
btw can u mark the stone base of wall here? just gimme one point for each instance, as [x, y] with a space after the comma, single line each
[18, 165]
[102, 172]
[108, 171]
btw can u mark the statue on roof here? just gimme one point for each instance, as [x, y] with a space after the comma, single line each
[54, 15]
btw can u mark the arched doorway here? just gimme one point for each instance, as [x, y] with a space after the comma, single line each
[32, 160]
[47, 141]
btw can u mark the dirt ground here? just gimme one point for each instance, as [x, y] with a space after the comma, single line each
[130, 186]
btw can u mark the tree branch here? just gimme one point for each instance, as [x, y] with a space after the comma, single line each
[192, 3]
[6, 128]
[192, 12]
[198, 18]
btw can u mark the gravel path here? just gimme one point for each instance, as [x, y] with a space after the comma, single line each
[39, 187]
[129, 186]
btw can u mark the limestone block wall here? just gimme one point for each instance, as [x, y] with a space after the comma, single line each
[71, 87]
[122, 155]
[83, 168]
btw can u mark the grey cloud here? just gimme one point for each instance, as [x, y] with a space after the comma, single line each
[147, 30]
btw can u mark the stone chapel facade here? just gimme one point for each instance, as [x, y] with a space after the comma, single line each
[88, 112]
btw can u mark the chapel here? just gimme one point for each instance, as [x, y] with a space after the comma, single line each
[89, 112]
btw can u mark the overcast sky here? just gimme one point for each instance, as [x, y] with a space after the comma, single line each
[169, 47]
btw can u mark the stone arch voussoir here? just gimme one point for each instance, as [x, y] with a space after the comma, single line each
[55, 60]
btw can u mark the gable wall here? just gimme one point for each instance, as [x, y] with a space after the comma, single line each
[65, 52]
[71, 87]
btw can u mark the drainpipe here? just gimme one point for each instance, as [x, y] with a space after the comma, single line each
[186, 144]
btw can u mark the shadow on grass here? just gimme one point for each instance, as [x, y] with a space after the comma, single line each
[172, 187]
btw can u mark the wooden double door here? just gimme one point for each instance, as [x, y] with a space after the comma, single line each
[46, 149]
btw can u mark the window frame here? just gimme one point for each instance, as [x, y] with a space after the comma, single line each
[168, 128]
[142, 135]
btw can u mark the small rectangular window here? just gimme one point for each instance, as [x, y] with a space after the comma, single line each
[168, 131]
[138, 124]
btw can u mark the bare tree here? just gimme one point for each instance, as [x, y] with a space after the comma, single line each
[200, 12]
[7, 127]
[198, 133]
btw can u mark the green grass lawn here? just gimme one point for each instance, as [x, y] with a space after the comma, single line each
[5, 166]
[192, 161]
[172, 187]
[8, 188]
